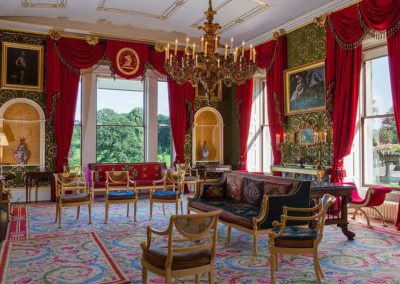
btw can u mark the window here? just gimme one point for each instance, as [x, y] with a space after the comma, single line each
[165, 152]
[120, 123]
[74, 156]
[259, 157]
[381, 152]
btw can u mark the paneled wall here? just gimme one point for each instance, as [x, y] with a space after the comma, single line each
[39, 98]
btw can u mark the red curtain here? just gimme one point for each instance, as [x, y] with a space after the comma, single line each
[244, 98]
[272, 57]
[64, 59]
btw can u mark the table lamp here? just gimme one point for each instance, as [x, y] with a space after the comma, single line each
[3, 142]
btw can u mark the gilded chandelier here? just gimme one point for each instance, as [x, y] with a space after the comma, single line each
[208, 66]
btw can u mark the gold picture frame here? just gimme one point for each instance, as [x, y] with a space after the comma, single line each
[306, 136]
[22, 66]
[305, 88]
[202, 95]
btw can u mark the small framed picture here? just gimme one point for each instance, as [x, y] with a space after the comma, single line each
[306, 137]
[22, 66]
[202, 95]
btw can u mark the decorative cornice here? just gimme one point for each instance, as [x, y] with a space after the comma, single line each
[303, 20]
[59, 4]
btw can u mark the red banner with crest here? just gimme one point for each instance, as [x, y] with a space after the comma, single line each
[127, 58]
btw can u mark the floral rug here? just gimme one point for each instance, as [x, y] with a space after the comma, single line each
[373, 257]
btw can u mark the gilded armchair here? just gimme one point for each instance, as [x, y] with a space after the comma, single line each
[120, 189]
[297, 239]
[190, 251]
[191, 175]
[171, 191]
[72, 191]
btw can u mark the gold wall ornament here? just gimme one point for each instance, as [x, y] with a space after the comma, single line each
[92, 39]
[320, 21]
[160, 47]
[276, 35]
[55, 34]
[128, 61]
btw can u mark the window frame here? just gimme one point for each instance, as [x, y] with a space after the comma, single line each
[143, 126]
[374, 53]
[80, 124]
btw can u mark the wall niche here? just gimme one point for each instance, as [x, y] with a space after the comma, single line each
[23, 119]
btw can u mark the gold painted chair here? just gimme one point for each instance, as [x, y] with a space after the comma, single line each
[71, 191]
[72, 169]
[5, 198]
[296, 239]
[190, 251]
[120, 189]
[172, 191]
[191, 175]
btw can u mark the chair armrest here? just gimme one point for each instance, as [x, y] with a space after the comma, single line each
[294, 209]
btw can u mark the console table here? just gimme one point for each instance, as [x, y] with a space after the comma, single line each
[337, 213]
[34, 177]
[319, 173]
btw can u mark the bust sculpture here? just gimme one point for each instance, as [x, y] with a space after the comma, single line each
[21, 154]
[205, 151]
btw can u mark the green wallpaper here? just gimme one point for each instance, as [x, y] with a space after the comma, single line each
[306, 45]
[38, 97]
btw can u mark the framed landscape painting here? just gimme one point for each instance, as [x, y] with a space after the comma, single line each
[22, 66]
[305, 88]
[306, 137]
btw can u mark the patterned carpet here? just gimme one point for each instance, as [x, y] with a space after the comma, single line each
[37, 252]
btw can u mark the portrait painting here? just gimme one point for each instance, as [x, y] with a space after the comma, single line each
[201, 93]
[22, 66]
[306, 136]
[305, 89]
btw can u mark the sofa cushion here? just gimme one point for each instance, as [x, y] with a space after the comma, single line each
[278, 187]
[233, 212]
[234, 186]
[213, 191]
[253, 191]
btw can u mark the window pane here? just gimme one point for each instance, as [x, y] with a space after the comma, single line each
[120, 144]
[74, 156]
[164, 145]
[164, 152]
[381, 152]
[119, 102]
[378, 91]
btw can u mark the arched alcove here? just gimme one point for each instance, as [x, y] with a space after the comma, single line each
[23, 118]
[208, 127]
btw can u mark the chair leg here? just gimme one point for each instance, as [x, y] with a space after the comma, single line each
[316, 267]
[163, 208]
[211, 275]
[181, 207]
[177, 207]
[228, 240]
[134, 210]
[127, 209]
[144, 275]
[272, 266]
[106, 219]
[168, 278]
[196, 279]
[366, 217]
[9, 215]
[254, 247]
[151, 209]
[78, 212]
[276, 261]
[56, 213]
[90, 212]
[59, 215]
[380, 215]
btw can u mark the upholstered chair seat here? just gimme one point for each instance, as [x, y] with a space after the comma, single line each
[166, 194]
[157, 256]
[115, 195]
[72, 198]
[297, 233]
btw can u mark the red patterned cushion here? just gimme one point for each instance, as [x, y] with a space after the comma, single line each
[253, 191]
[277, 187]
[234, 186]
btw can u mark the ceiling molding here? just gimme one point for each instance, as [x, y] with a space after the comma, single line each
[302, 20]
[261, 7]
[175, 6]
[197, 23]
[58, 4]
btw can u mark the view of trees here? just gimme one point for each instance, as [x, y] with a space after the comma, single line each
[120, 138]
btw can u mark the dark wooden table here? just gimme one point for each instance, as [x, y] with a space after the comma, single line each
[33, 178]
[337, 213]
